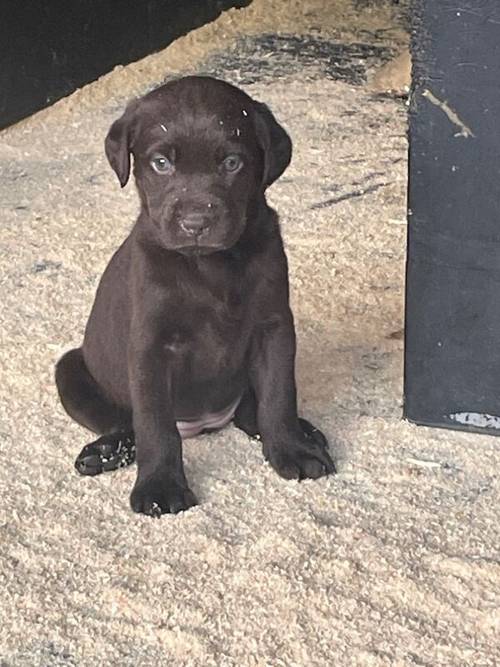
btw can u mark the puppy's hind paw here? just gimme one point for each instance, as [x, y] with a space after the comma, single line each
[109, 452]
[305, 458]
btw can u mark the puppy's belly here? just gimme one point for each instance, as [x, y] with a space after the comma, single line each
[210, 420]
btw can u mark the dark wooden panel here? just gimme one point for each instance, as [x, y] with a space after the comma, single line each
[453, 273]
[48, 48]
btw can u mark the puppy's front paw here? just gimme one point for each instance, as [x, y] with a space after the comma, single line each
[161, 494]
[301, 458]
[312, 433]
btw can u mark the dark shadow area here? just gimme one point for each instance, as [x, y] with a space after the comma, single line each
[50, 48]
[273, 56]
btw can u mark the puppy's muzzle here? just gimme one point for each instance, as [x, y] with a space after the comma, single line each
[196, 225]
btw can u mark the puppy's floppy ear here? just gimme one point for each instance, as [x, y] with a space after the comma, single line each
[274, 141]
[118, 144]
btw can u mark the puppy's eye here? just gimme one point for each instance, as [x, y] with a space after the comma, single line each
[161, 164]
[232, 163]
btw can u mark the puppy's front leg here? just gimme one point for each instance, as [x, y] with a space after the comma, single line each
[161, 485]
[290, 451]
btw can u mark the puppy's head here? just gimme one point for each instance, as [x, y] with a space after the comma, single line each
[204, 152]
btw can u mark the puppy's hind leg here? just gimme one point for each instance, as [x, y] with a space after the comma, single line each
[245, 418]
[83, 400]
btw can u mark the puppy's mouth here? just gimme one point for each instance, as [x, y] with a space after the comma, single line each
[198, 250]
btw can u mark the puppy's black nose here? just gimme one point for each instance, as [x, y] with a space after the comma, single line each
[195, 224]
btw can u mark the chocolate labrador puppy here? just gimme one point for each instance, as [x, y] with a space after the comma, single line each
[191, 325]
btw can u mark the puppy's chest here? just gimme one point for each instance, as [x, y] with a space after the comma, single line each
[208, 337]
